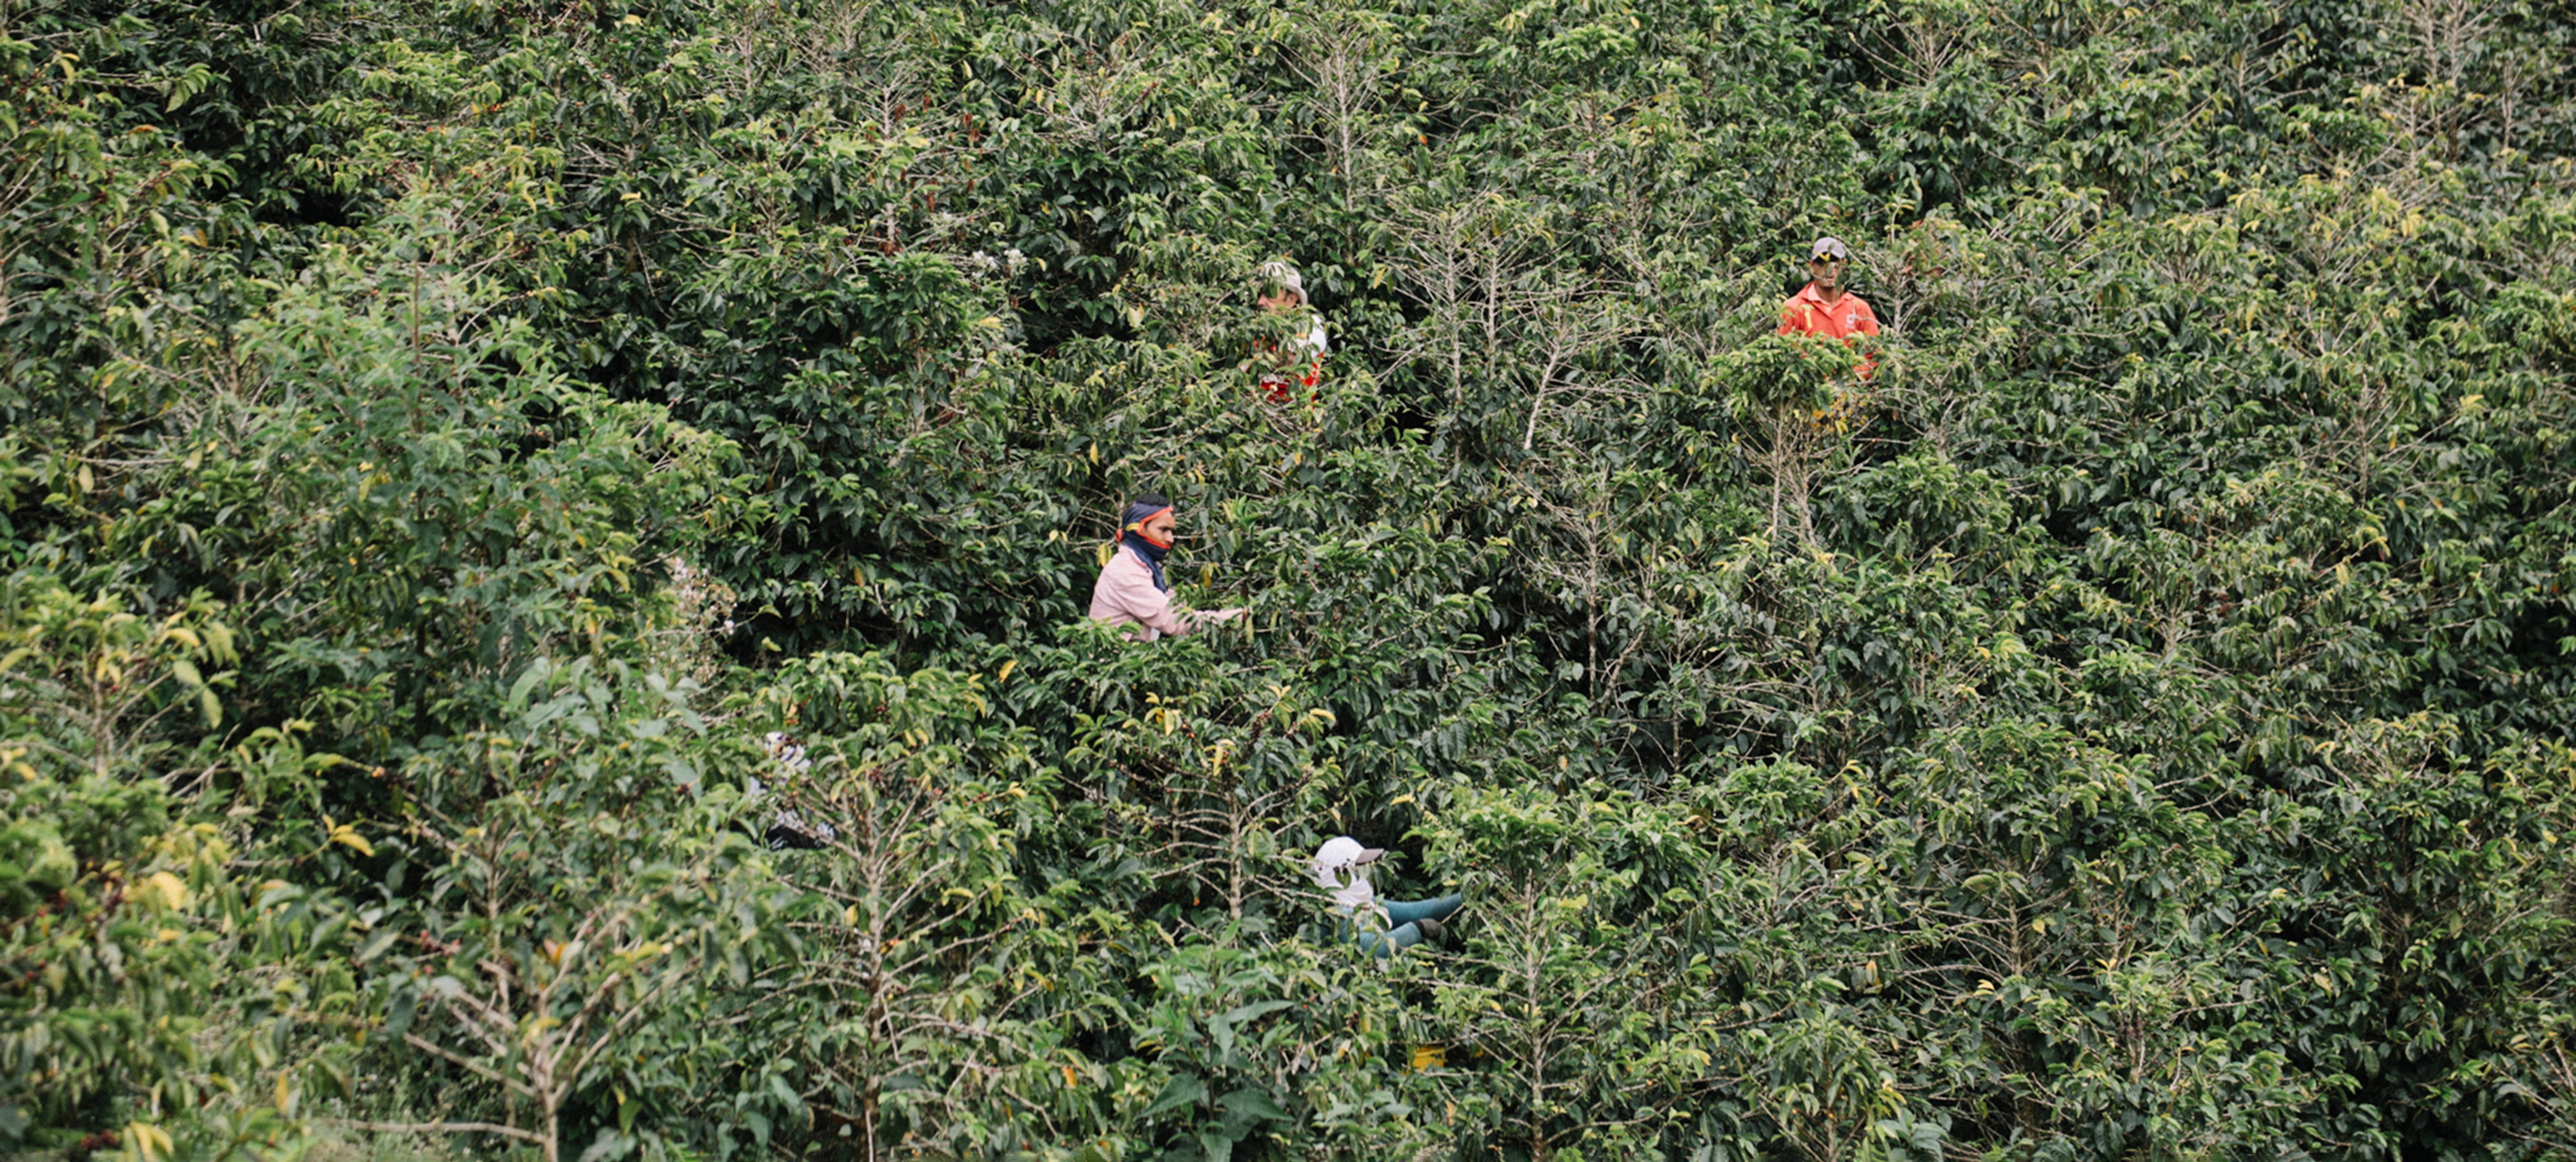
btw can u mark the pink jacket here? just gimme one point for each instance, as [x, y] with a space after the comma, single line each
[1125, 594]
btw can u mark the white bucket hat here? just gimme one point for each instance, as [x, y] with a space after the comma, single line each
[1277, 273]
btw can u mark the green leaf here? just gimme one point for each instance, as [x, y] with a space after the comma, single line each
[1183, 1091]
[383, 939]
[1253, 1103]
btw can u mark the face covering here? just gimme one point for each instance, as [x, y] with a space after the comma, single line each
[1147, 548]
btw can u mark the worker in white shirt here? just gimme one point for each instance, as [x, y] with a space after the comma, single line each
[1298, 360]
[1377, 926]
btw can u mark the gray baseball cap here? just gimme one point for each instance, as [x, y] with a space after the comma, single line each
[1829, 245]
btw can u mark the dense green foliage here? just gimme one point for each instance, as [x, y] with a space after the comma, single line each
[440, 439]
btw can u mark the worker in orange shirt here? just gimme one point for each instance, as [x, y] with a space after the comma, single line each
[1824, 308]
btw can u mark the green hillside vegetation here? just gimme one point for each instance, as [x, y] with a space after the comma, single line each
[440, 440]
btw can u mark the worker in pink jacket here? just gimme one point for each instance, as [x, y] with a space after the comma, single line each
[1132, 589]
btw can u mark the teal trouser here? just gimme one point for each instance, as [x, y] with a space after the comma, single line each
[1401, 930]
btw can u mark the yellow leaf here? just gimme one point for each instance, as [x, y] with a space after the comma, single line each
[172, 893]
[1007, 666]
[1069, 1079]
[149, 1140]
[348, 836]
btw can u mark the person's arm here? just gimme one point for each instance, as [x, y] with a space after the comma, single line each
[1868, 325]
[1175, 622]
[1127, 587]
[1189, 621]
[1202, 619]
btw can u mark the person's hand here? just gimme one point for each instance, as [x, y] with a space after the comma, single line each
[1228, 614]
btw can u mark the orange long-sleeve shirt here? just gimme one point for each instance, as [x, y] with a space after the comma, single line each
[1807, 313]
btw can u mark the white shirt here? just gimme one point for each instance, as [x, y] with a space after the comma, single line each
[1312, 343]
[1348, 881]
